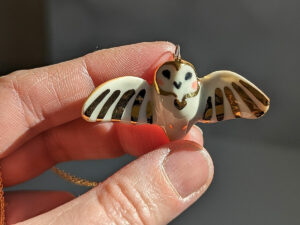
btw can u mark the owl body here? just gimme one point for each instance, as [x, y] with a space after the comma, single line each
[174, 122]
[177, 99]
[173, 108]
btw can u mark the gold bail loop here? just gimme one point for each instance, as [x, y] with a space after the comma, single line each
[177, 56]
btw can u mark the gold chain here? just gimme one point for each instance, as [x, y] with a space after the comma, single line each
[2, 202]
[74, 179]
[71, 178]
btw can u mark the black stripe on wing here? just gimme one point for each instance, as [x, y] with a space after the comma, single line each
[233, 102]
[248, 101]
[88, 112]
[208, 111]
[135, 111]
[260, 97]
[121, 105]
[108, 104]
[219, 104]
[149, 112]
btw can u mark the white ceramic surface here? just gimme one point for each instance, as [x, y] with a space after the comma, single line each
[177, 99]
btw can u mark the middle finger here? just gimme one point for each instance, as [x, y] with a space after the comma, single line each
[79, 140]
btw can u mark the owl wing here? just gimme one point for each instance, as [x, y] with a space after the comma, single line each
[125, 99]
[226, 95]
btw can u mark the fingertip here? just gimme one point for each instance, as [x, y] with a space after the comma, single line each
[140, 139]
[195, 134]
[139, 60]
[189, 168]
[152, 189]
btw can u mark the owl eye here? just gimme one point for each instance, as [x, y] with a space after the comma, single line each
[166, 74]
[188, 76]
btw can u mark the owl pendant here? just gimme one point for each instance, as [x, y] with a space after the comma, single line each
[177, 99]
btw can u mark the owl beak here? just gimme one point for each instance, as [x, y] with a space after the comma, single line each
[177, 85]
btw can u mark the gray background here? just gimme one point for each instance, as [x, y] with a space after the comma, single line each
[257, 163]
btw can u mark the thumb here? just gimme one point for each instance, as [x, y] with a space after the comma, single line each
[153, 189]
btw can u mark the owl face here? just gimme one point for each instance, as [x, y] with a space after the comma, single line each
[176, 78]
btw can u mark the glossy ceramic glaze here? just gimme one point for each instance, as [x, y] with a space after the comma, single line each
[177, 99]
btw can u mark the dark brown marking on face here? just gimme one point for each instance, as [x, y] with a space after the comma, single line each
[179, 105]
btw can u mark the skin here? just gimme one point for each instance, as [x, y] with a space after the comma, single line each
[41, 126]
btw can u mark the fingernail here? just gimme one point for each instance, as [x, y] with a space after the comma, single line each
[187, 167]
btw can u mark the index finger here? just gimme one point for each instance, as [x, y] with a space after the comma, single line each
[33, 101]
[98, 142]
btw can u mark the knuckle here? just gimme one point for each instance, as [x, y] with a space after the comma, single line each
[125, 204]
[21, 97]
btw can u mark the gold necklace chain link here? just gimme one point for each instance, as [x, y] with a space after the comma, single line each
[2, 202]
[74, 179]
[71, 178]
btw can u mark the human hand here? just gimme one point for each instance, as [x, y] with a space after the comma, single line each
[41, 126]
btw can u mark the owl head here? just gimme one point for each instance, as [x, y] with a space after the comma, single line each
[177, 78]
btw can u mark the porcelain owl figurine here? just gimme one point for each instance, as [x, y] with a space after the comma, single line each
[177, 99]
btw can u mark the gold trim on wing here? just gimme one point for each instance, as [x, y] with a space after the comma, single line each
[208, 111]
[233, 103]
[260, 96]
[248, 101]
[121, 105]
[149, 112]
[111, 120]
[219, 104]
[135, 110]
